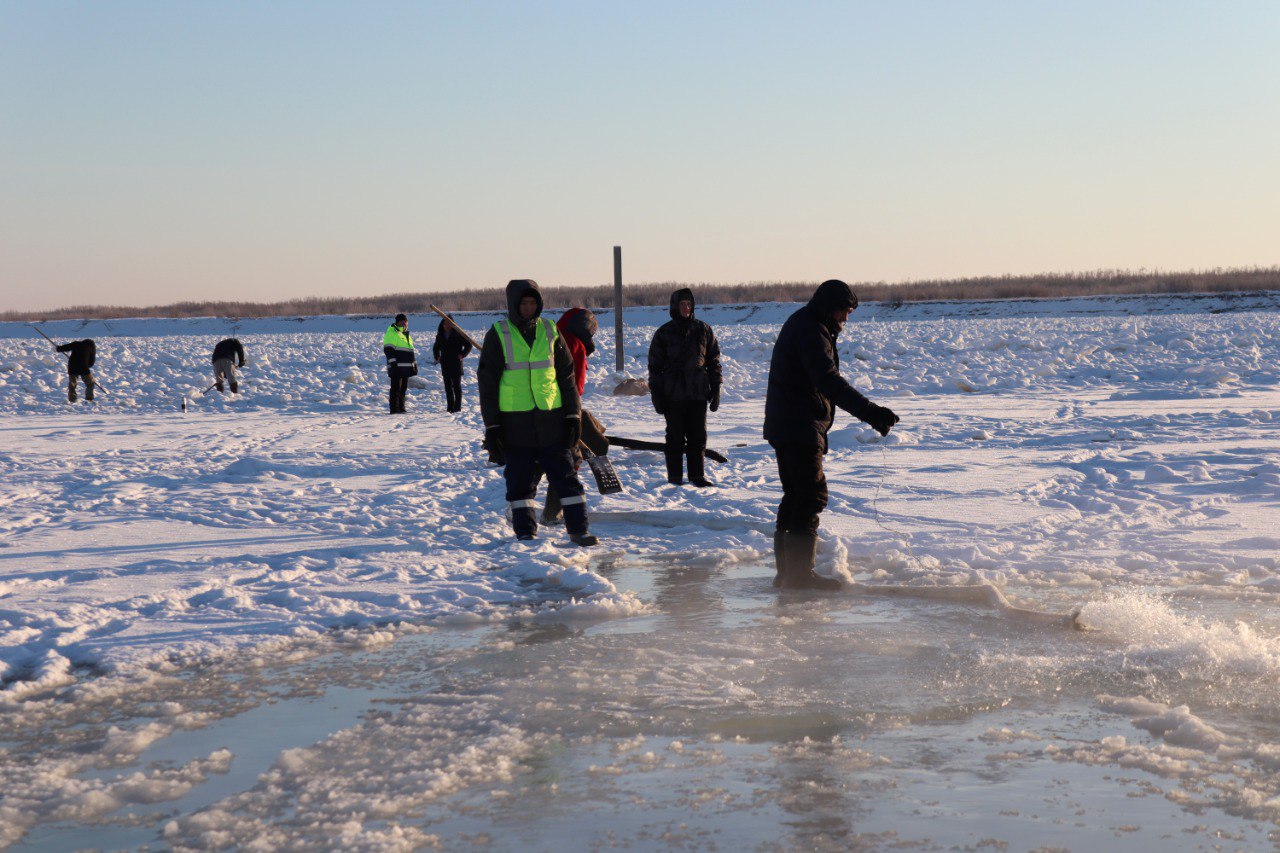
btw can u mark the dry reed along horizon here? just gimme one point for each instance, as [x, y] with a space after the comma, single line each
[1045, 286]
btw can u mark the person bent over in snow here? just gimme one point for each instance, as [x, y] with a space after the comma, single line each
[532, 411]
[225, 354]
[805, 387]
[82, 355]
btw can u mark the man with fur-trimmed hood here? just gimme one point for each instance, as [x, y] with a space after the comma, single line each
[532, 411]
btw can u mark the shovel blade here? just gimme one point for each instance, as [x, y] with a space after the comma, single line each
[607, 482]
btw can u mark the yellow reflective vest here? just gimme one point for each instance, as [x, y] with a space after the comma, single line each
[529, 374]
[397, 345]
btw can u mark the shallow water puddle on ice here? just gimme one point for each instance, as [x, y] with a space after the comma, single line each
[734, 716]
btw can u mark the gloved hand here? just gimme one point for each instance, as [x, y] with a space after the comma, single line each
[495, 445]
[882, 419]
[572, 431]
[715, 398]
[659, 404]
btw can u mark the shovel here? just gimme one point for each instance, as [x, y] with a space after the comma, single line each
[607, 482]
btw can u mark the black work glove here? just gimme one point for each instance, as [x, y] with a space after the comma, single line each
[572, 431]
[495, 445]
[659, 404]
[715, 398]
[881, 419]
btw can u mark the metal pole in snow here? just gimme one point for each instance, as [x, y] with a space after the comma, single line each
[617, 305]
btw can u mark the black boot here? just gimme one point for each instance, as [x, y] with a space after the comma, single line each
[675, 467]
[779, 557]
[801, 551]
[697, 476]
[575, 523]
[523, 523]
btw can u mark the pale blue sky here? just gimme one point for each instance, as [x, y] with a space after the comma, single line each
[157, 151]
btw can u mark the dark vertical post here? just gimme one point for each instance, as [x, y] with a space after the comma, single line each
[617, 304]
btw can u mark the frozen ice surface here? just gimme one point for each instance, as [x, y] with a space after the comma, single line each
[289, 620]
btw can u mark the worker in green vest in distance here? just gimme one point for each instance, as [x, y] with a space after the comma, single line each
[532, 412]
[402, 361]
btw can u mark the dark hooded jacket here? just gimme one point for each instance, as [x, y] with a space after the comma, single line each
[82, 356]
[450, 348]
[229, 349]
[805, 385]
[534, 428]
[684, 357]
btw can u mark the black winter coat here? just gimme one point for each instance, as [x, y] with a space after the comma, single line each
[230, 348]
[450, 348]
[805, 384]
[684, 358]
[83, 355]
[534, 428]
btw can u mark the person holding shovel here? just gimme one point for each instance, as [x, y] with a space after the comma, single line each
[578, 327]
[532, 412]
[81, 356]
[225, 357]
[449, 349]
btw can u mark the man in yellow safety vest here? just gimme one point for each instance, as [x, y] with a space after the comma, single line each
[532, 412]
[402, 362]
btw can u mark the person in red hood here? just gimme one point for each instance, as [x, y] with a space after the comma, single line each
[578, 328]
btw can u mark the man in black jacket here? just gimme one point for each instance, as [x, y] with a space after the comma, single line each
[805, 387]
[684, 381]
[532, 412]
[225, 356]
[82, 355]
[449, 349]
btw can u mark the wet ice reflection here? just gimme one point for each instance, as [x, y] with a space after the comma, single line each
[727, 715]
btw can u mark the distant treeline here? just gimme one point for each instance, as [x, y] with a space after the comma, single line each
[1049, 285]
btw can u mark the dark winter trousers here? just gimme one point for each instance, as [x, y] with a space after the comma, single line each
[686, 433]
[87, 378]
[399, 384]
[804, 487]
[524, 469]
[225, 368]
[452, 388]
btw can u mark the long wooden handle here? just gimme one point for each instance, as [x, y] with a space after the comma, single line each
[67, 354]
[641, 444]
[49, 339]
[456, 327]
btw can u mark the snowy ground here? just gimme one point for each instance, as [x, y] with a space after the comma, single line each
[292, 618]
